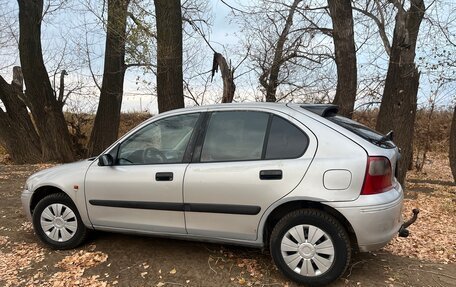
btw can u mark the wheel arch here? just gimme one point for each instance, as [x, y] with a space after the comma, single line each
[279, 211]
[42, 192]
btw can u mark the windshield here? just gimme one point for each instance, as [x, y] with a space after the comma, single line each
[363, 131]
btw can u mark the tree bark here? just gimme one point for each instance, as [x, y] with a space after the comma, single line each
[398, 107]
[106, 125]
[272, 75]
[17, 133]
[452, 155]
[170, 94]
[46, 110]
[227, 76]
[344, 47]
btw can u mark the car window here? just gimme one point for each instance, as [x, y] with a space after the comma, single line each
[237, 135]
[163, 141]
[285, 140]
[362, 131]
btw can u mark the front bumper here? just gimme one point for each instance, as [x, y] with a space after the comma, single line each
[26, 198]
[375, 219]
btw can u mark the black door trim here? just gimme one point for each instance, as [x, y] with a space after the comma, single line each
[223, 208]
[199, 141]
[187, 207]
[138, 204]
[189, 151]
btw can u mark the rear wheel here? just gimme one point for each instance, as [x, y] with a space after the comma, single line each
[310, 247]
[57, 222]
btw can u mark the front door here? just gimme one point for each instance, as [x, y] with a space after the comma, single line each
[143, 189]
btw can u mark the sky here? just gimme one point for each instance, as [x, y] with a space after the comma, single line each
[61, 29]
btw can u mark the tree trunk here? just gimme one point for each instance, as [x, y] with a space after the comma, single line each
[46, 110]
[17, 133]
[227, 76]
[272, 74]
[398, 107]
[452, 156]
[170, 94]
[344, 47]
[106, 125]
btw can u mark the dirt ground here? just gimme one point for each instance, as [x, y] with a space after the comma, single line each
[426, 258]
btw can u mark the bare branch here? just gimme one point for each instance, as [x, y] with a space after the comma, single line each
[139, 24]
[380, 25]
[89, 64]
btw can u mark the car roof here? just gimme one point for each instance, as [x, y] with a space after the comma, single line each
[319, 109]
[236, 105]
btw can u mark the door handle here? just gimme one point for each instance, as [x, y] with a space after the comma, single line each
[273, 174]
[164, 176]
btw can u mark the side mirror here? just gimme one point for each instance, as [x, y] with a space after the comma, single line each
[105, 160]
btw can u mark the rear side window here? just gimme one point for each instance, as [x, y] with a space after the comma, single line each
[285, 140]
[234, 136]
[362, 131]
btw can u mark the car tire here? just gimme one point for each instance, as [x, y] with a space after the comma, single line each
[318, 255]
[57, 222]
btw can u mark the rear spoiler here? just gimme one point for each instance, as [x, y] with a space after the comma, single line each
[324, 110]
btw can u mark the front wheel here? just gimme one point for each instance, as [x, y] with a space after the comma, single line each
[310, 247]
[57, 222]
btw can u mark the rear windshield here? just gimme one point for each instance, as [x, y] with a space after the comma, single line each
[362, 131]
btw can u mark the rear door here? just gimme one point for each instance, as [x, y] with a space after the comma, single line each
[245, 161]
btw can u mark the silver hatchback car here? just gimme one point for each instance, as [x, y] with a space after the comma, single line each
[310, 184]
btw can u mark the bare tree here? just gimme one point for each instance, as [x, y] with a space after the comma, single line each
[227, 75]
[40, 98]
[288, 43]
[344, 48]
[169, 55]
[452, 153]
[106, 125]
[398, 107]
[17, 133]
[270, 77]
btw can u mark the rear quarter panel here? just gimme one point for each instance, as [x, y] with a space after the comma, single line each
[337, 153]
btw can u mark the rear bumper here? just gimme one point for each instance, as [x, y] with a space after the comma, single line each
[376, 219]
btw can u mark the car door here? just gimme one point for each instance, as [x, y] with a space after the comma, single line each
[142, 190]
[245, 161]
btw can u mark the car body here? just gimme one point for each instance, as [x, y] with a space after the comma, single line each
[233, 173]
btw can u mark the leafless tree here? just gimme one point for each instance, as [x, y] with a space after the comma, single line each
[168, 15]
[452, 153]
[288, 41]
[45, 107]
[398, 107]
[106, 125]
[17, 132]
[345, 55]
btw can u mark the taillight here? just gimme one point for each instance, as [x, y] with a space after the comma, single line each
[378, 175]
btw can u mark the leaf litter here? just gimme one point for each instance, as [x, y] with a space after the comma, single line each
[432, 238]
[433, 235]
